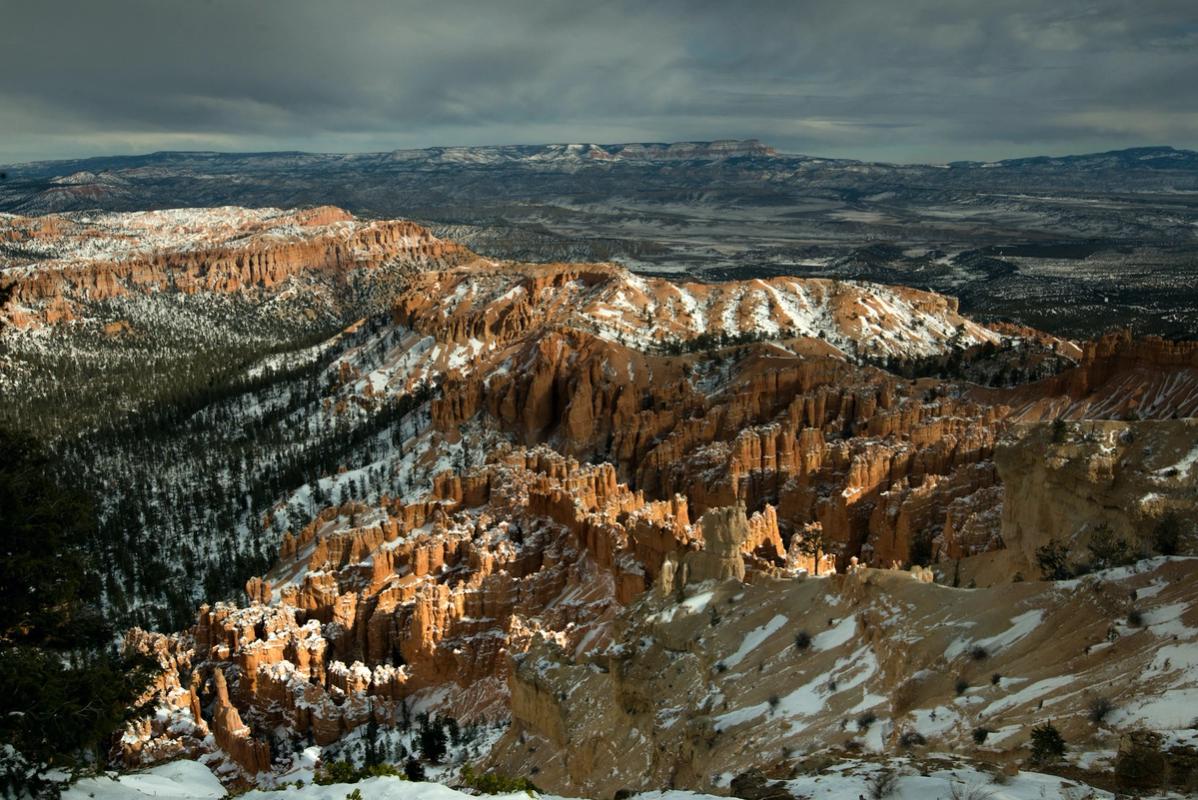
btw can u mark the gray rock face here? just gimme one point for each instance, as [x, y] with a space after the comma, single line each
[724, 531]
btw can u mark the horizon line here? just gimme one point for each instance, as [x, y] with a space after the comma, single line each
[748, 140]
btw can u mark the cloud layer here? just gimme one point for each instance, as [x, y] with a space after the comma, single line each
[876, 79]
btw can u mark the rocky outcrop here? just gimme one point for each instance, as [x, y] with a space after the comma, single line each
[358, 619]
[70, 261]
[819, 440]
[1117, 377]
[1146, 761]
[233, 736]
[725, 531]
[626, 440]
[1070, 483]
[831, 317]
[178, 728]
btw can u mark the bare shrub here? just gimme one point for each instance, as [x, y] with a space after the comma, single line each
[1099, 708]
[961, 791]
[883, 783]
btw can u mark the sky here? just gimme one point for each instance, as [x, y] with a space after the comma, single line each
[886, 80]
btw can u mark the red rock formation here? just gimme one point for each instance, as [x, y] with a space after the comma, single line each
[233, 736]
[222, 250]
[774, 447]
[1118, 377]
[383, 610]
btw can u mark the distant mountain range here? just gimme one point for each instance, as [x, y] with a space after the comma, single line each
[1071, 244]
[1159, 157]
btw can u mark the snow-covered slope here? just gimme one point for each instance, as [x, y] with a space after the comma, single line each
[849, 318]
[54, 268]
[704, 683]
[944, 779]
[430, 544]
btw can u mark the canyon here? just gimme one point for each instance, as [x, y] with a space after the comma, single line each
[666, 531]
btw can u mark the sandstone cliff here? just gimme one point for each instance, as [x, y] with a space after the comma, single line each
[713, 444]
[356, 619]
[1116, 480]
[54, 265]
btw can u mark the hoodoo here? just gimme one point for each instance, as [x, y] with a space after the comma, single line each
[619, 532]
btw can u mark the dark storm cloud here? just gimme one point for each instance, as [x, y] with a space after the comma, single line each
[887, 79]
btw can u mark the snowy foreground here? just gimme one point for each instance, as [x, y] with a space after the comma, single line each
[849, 780]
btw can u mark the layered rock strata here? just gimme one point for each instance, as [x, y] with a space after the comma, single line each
[703, 441]
[54, 265]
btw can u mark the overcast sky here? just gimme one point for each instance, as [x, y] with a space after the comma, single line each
[897, 80]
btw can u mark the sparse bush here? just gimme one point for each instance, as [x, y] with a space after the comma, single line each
[495, 783]
[883, 783]
[979, 735]
[1166, 536]
[865, 720]
[1099, 708]
[1047, 744]
[961, 686]
[356, 794]
[1053, 560]
[995, 679]
[802, 641]
[774, 702]
[978, 653]
[1000, 777]
[335, 772]
[1060, 430]
[345, 772]
[1108, 550]
[959, 791]
[1135, 618]
[912, 738]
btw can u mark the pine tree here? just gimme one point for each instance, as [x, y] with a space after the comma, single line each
[63, 694]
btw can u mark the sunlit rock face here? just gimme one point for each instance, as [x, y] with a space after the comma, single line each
[58, 265]
[612, 483]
